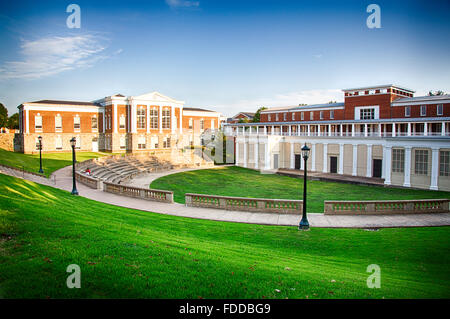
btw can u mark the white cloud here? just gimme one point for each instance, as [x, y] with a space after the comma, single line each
[53, 55]
[285, 99]
[182, 4]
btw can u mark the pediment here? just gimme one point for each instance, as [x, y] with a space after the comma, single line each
[156, 96]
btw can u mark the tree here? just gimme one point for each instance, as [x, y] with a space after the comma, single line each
[439, 92]
[13, 121]
[257, 116]
[332, 102]
[243, 120]
[3, 116]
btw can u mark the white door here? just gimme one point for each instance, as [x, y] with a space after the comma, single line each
[94, 146]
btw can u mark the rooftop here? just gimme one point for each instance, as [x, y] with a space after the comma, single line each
[60, 102]
[379, 87]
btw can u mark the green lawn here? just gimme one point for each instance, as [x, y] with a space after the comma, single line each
[238, 181]
[128, 253]
[50, 161]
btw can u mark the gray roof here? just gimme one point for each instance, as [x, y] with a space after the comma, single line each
[305, 107]
[426, 98]
[65, 102]
[196, 109]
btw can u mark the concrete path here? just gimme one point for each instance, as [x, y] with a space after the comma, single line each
[62, 179]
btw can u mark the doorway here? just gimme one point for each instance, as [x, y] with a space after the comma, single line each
[275, 161]
[333, 164]
[377, 164]
[298, 159]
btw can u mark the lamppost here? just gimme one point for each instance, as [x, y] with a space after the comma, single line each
[40, 155]
[74, 188]
[304, 224]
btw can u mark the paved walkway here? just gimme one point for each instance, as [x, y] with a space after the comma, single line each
[62, 179]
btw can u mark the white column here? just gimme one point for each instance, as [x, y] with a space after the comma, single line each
[355, 160]
[104, 121]
[267, 155]
[383, 162]
[443, 129]
[298, 131]
[387, 166]
[341, 158]
[173, 119]
[133, 119]
[309, 130]
[245, 152]
[160, 119]
[272, 132]
[409, 129]
[425, 129]
[181, 121]
[257, 130]
[353, 129]
[290, 132]
[292, 156]
[318, 130]
[379, 130]
[434, 168]
[393, 130]
[147, 121]
[407, 167]
[313, 157]
[115, 117]
[237, 152]
[27, 122]
[341, 133]
[329, 129]
[256, 155]
[369, 161]
[325, 158]
[365, 130]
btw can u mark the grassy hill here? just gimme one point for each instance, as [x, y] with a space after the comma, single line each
[126, 253]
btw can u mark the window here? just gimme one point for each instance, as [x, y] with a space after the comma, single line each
[321, 115]
[94, 124]
[166, 118]
[276, 117]
[123, 142]
[154, 142]
[423, 110]
[141, 142]
[58, 143]
[302, 116]
[284, 116]
[311, 116]
[58, 123]
[213, 123]
[269, 117]
[154, 118]
[440, 109]
[421, 162]
[398, 160]
[202, 124]
[166, 142]
[444, 163]
[407, 111]
[76, 123]
[122, 121]
[293, 116]
[371, 91]
[191, 123]
[367, 114]
[78, 142]
[141, 117]
[38, 123]
[331, 114]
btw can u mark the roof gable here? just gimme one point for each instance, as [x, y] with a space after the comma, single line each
[156, 96]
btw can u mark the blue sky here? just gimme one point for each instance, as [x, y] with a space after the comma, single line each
[224, 55]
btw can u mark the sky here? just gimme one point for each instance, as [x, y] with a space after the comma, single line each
[225, 55]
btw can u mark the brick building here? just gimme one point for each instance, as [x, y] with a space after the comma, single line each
[115, 124]
[381, 132]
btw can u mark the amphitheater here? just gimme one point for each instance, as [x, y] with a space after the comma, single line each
[120, 169]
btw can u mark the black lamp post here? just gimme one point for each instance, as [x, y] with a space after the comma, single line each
[304, 224]
[74, 188]
[40, 155]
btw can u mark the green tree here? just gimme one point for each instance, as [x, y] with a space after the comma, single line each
[3, 116]
[439, 92]
[257, 116]
[13, 121]
[243, 120]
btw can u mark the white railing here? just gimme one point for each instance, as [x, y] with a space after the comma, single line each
[261, 205]
[420, 206]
